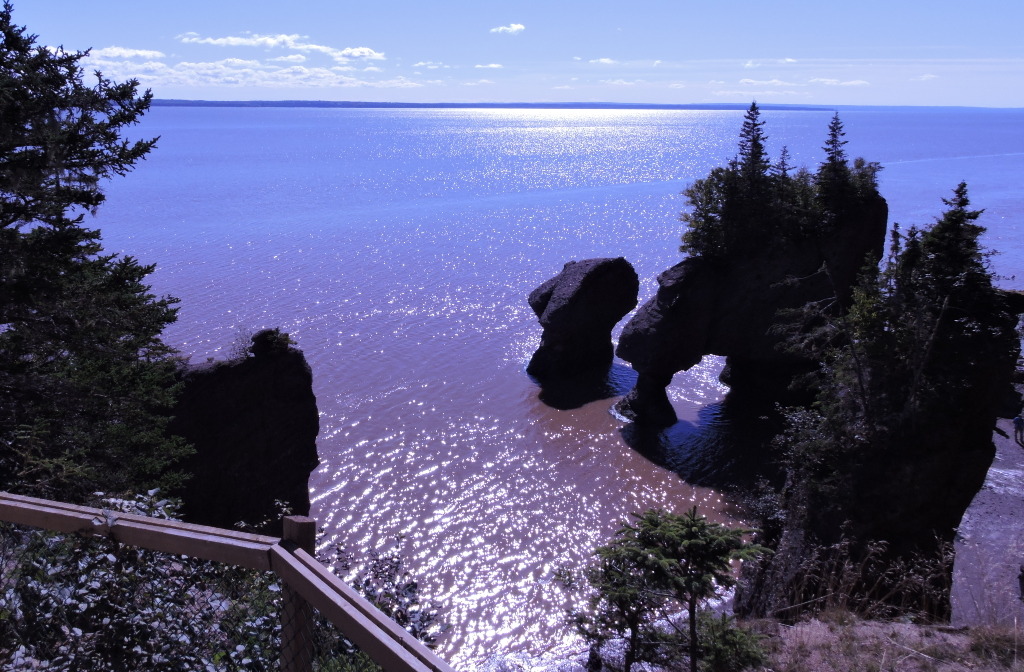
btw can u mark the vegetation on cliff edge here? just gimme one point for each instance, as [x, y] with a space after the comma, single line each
[908, 371]
[752, 205]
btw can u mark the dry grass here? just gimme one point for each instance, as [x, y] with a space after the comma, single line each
[839, 642]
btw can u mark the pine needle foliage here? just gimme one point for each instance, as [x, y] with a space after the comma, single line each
[86, 383]
[662, 564]
[752, 204]
[909, 365]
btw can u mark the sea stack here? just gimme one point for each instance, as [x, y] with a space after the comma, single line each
[578, 309]
[730, 307]
[253, 421]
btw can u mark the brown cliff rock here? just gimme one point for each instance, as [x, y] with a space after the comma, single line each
[254, 423]
[728, 307]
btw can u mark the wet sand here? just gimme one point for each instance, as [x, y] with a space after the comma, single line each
[990, 543]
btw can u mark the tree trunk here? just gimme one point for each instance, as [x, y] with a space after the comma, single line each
[630, 658]
[693, 634]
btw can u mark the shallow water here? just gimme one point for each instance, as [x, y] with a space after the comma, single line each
[397, 247]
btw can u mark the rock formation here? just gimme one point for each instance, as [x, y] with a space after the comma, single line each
[253, 422]
[729, 306]
[578, 309]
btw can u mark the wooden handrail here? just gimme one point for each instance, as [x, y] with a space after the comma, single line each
[353, 614]
[367, 627]
[169, 536]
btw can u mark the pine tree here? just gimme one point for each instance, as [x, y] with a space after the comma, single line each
[85, 381]
[835, 155]
[912, 362]
[836, 189]
[649, 570]
[753, 157]
[750, 205]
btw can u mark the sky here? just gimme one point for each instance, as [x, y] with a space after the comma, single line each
[811, 52]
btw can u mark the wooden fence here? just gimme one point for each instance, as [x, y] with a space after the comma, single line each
[307, 582]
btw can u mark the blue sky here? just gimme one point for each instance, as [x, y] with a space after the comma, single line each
[824, 52]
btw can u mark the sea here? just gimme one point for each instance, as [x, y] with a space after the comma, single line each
[397, 248]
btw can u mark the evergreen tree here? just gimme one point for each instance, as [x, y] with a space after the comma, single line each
[914, 355]
[650, 570]
[85, 381]
[750, 205]
[782, 167]
[835, 155]
[836, 191]
[689, 557]
[753, 157]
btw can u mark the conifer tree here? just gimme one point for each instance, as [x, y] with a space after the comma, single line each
[836, 190]
[753, 157]
[835, 155]
[750, 205]
[85, 381]
[917, 350]
[651, 569]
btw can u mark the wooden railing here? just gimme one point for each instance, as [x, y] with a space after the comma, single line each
[307, 582]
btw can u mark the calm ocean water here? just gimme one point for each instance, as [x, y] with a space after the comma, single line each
[398, 247]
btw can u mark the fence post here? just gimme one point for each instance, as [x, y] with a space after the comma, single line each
[296, 615]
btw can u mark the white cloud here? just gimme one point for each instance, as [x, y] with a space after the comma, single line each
[511, 28]
[766, 82]
[291, 58]
[490, 66]
[576, 58]
[430, 65]
[242, 63]
[753, 63]
[677, 85]
[758, 94]
[251, 41]
[372, 68]
[361, 52]
[122, 52]
[294, 42]
[563, 87]
[604, 61]
[925, 78]
[827, 81]
[620, 82]
[657, 63]
[479, 82]
[231, 73]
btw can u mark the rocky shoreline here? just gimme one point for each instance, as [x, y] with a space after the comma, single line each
[989, 544]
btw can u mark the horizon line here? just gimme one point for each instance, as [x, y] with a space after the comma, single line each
[183, 102]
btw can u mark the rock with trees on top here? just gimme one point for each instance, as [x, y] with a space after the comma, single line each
[253, 421]
[761, 238]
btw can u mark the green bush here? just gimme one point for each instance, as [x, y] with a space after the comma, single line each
[725, 647]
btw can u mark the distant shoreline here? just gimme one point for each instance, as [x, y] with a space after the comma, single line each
[170, 102]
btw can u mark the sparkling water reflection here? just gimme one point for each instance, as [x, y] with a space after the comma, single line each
[398, 248]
